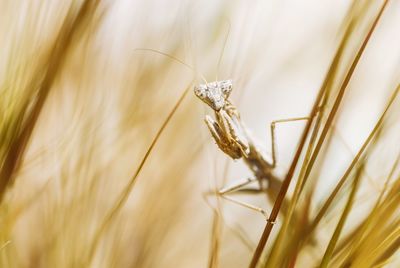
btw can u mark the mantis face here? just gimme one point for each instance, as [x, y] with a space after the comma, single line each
[214, 94]
[226, 130]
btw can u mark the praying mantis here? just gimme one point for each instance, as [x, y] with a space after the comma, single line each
[233, 139]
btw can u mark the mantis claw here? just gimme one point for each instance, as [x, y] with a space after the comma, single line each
[221, 139]
[235, 130]
[228, 135]
[214, 129]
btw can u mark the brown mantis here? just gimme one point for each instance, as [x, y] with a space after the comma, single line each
[233, 139]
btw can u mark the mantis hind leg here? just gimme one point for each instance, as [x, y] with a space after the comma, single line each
[273, 137]
[236, 187]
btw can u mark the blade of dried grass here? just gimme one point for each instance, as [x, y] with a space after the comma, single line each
[342, 89]
[355, 13]
[355, 160]
[373, 230]
[387, 254]
[360, 231]
[215, 240]
[285, 185]
[217, 226]
[123, 197]
[395, 188]
[326, 87]
[346, 211]
[354, 240]
[26, 118]
[388, 180]
[381, 246]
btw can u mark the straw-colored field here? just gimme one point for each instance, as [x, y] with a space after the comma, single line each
[105, 159]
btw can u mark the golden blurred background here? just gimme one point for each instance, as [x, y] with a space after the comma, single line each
[98, 168]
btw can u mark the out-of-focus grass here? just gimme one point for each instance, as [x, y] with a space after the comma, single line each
[104, 161]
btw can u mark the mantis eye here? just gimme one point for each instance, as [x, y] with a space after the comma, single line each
[226, 86]
[225, 90]
[200, 92]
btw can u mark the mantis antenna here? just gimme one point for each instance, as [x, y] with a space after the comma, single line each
[172, 58]
[221, 54]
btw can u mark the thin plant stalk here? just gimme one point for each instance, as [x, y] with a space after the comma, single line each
[285, 185]
[339, 227]
[123, 197]
[328, 202]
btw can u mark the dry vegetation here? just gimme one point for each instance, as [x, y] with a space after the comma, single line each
[105, 159]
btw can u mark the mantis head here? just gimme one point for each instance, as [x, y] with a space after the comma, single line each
[214, 94]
